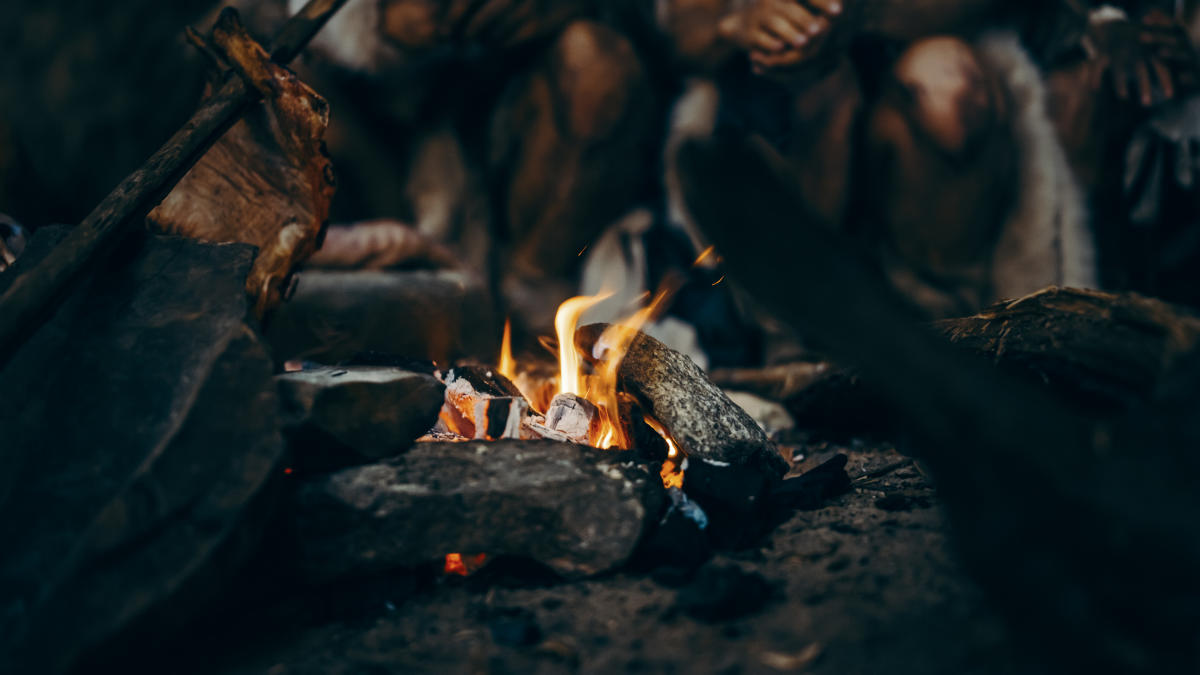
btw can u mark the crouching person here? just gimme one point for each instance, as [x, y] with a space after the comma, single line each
[919, 132]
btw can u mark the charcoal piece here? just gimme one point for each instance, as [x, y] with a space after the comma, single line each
[681, 539]
[732, 496]
[697, 414]
[723, 593]
[485, 381]
[497, 418]
[334, 315]
[646, 441]
[468, 392]
[368, 412]
[577, 510]
[813, 488]
[140, 427]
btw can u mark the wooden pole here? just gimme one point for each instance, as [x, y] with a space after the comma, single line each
[33, 296]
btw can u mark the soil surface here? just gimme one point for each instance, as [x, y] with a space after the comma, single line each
[868, 583]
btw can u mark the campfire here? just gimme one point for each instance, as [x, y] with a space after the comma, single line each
[576, 405]
[229, 427]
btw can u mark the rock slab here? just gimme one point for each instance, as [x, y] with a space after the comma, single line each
[140, 426]
[576, 509]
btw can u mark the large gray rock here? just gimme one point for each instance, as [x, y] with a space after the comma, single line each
[371, 411]
[579, 510]
[138, 429]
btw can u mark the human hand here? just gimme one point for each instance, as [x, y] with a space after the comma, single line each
[1148, 61]
[781, 33]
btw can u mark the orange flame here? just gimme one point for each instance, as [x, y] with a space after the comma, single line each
[565, 322]
[601, 389]
[508, 365]
[614, 343]
[672, 469]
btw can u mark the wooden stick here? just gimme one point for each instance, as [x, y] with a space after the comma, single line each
[32, 297]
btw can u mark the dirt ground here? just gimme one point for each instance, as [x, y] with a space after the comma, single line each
[868, 583]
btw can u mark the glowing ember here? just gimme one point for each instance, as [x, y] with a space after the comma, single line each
[565, 322]
[456, 565]
[704, 256]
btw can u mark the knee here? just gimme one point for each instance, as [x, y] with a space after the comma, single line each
[946, 94]
[598, 75]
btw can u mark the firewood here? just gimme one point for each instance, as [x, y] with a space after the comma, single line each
[777, 383]
[140, 428]
[501, 418]
[695, 412]
[579, 511]
[267, 181]
[33, 297]
[1106, 508]
[469, 410]
[1103, 350]
[574, 417]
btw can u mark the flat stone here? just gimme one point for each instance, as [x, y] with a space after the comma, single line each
[578, 510]
[370, 411]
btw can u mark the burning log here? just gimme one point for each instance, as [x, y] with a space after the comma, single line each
[576, 510]
[358, 413]
[140, 427]
[335, 315]
[694, 411]
[574, 417]
[483, 404]
[497, 418]
[268, 181]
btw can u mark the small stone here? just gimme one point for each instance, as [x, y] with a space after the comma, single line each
[372, 412]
